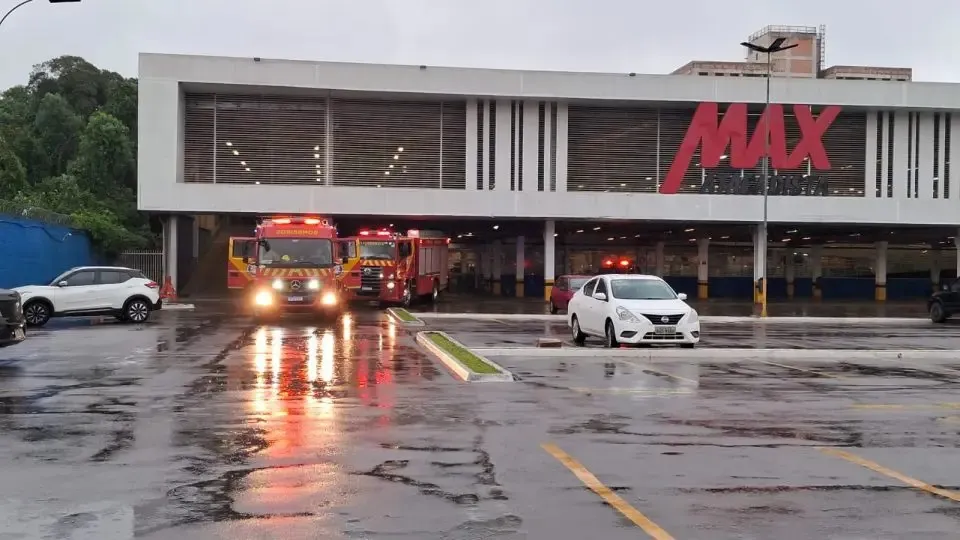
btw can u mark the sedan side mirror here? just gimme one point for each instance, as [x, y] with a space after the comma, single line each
[600, 296]
[682, 296]
[62, 284]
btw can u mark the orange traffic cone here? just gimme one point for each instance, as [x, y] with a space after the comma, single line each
[168, 291]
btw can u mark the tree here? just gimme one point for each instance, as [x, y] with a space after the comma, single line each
[77, 80]
[13, 176]
[56, 127]
[104, 163]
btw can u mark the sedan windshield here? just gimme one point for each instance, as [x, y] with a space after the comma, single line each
[576, 283]
[377, 250]
[641, 289]
[294, 252]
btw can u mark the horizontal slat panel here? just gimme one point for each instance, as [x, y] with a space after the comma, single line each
[283, 140]
[615, 149]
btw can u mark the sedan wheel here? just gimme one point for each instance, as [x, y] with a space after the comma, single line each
[578, 336]
[137, 311]
[610, 336]
[553, 308]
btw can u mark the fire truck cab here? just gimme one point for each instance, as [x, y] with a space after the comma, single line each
[295, 266]
[391, 268]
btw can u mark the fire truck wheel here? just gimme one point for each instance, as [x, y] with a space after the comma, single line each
[435, 294]
[407, 296]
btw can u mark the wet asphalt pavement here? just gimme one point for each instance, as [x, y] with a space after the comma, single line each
[922, 334]
[205, 425]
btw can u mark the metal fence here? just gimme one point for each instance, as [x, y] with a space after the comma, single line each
[18, 210]
[148, 262]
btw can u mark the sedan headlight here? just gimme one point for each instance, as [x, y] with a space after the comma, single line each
[624, 315]
[313, 285]
[278, 284]
[693, 317]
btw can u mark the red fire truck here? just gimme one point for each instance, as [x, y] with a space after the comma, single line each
[295, 266]
[384, 266]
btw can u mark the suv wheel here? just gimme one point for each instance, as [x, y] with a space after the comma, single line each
[36, 313]
[136, 311]
[937, 313]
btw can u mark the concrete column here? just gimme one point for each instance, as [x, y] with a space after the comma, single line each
[790, 272]
[956, 244]
[497, 264]
[881, 272]
[521, 260]
[935, 268]
[171, 247]
[549, 257]
[816, 270]
[759, 261]
[703, 268]
[659, 260]
[488, 265]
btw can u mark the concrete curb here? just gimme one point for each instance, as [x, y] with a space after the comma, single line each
[393, 313]
[915, 321]
[723, 355]
[177, 307]
[457, 367]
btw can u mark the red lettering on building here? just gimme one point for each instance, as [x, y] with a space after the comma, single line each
[715, 137]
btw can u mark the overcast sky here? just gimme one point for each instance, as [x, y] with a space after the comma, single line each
[577, 35]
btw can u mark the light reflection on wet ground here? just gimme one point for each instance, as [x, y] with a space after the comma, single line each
[204, 425]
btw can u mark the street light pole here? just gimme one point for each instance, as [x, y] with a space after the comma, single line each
[776, 46]
[25, 2]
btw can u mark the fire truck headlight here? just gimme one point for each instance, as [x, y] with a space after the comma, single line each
[390, 276]
[263, 298]
[328, 299]
[391, 285]
[313, 285]
[278, 284]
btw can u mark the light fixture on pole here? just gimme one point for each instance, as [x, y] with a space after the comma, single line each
[776, 46]
[25, 2]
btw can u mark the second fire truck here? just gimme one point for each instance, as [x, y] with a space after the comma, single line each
[384, 266]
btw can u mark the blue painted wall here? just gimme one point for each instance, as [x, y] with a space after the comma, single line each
[34, 253]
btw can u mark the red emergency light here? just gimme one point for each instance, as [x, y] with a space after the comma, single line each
[624, 263]
[304, 221]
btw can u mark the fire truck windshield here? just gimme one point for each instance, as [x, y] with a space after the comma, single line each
[377, 250]
[294, 252]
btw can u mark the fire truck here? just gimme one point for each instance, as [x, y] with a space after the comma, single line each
[239, 249]
[387, 267]
[618, 265]
[295, 266]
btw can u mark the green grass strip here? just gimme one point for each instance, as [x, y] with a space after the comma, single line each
[473, 362]
[404, 315]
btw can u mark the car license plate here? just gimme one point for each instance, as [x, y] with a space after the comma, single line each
[19, 334]
[294, 299]
[664, 330]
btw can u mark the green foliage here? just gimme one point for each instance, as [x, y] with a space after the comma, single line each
[68, 148]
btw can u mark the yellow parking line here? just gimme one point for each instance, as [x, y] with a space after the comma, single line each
[659, 372]
[876, 467]
[909, 406]
[633, 391]
[607, 494]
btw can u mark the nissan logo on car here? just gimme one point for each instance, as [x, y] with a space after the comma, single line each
[664, 319]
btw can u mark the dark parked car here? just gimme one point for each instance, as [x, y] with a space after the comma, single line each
[11, 318]
[945, 302]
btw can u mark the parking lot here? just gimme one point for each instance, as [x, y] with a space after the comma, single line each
[205, 425]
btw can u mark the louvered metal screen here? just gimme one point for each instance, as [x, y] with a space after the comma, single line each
[321, 141]
[618, 149]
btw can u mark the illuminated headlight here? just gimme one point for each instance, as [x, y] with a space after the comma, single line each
[313, 285]
[328, 299]
[390, 276]
[263, 298]
[693, 317]
[278, 284]
[624, 315]
[391, 285]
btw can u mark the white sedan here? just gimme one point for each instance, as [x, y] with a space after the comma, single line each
[632, 309]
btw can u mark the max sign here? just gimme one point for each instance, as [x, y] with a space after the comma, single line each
[714, 137]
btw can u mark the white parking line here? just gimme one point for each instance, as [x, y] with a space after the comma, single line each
[900, 321]
[724, 355]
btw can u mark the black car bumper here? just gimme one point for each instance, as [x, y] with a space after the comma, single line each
[11, 332]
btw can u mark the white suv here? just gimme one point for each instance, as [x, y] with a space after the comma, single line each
[124, 293]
